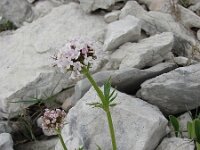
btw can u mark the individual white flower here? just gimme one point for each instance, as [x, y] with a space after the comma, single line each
[76, 54]
[77, 66]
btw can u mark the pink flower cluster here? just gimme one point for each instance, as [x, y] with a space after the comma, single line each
[74, 55]
[53, 119]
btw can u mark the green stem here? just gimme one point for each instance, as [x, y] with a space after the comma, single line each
[106, 108]
[111, 127]
[94, 84]
[61, 139]
[197, 146]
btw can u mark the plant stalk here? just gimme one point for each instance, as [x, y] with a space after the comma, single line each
[94, 84]
[106, 108]
[111, 127]
[197, 146]
[61, 139]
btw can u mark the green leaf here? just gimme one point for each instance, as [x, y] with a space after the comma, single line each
[107, 87]
[190, 130]
[98, 147]
[175, 124]
[80, 148]
[95, 104]
[113, 104]
[197, 146]
[113, 98]
[112, 94]
[197, 129]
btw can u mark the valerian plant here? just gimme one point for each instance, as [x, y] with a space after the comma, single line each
[53, 122]
[78, 56]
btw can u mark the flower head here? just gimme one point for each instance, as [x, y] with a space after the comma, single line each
[53, 120]
[75, 55]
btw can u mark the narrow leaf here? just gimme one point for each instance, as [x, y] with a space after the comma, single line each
[197, 129]
[175, 124]
[190, 129]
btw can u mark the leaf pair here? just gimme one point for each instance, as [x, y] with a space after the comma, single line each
[108, 97]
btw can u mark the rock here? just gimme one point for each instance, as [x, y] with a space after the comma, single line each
[173, 92]
[26, 70]
[62, 96]
[39, 145]
[189, 18]
[195, 8]
[142, 123]
[183, 61]
[4, 127]
[125, 80]
[159, 5]
[176, 144]
[194, 1]
[145, 53]
[157, 22]
[154, 22]
[119, 32]
[17, 11]
[112, 16]
[198, 35]
[132, 8]
[92, 5]
[42, 8]
[6, 142]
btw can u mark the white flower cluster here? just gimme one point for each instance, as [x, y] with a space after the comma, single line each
[53, 119]
[75, 55]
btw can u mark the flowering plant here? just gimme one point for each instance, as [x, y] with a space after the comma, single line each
[53, 121]
[77, 56]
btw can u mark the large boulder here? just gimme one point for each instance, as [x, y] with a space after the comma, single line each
[119, 32]
[138, 125]
[147, 52]
[174, 92]
[16, 11]
[26, 70]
